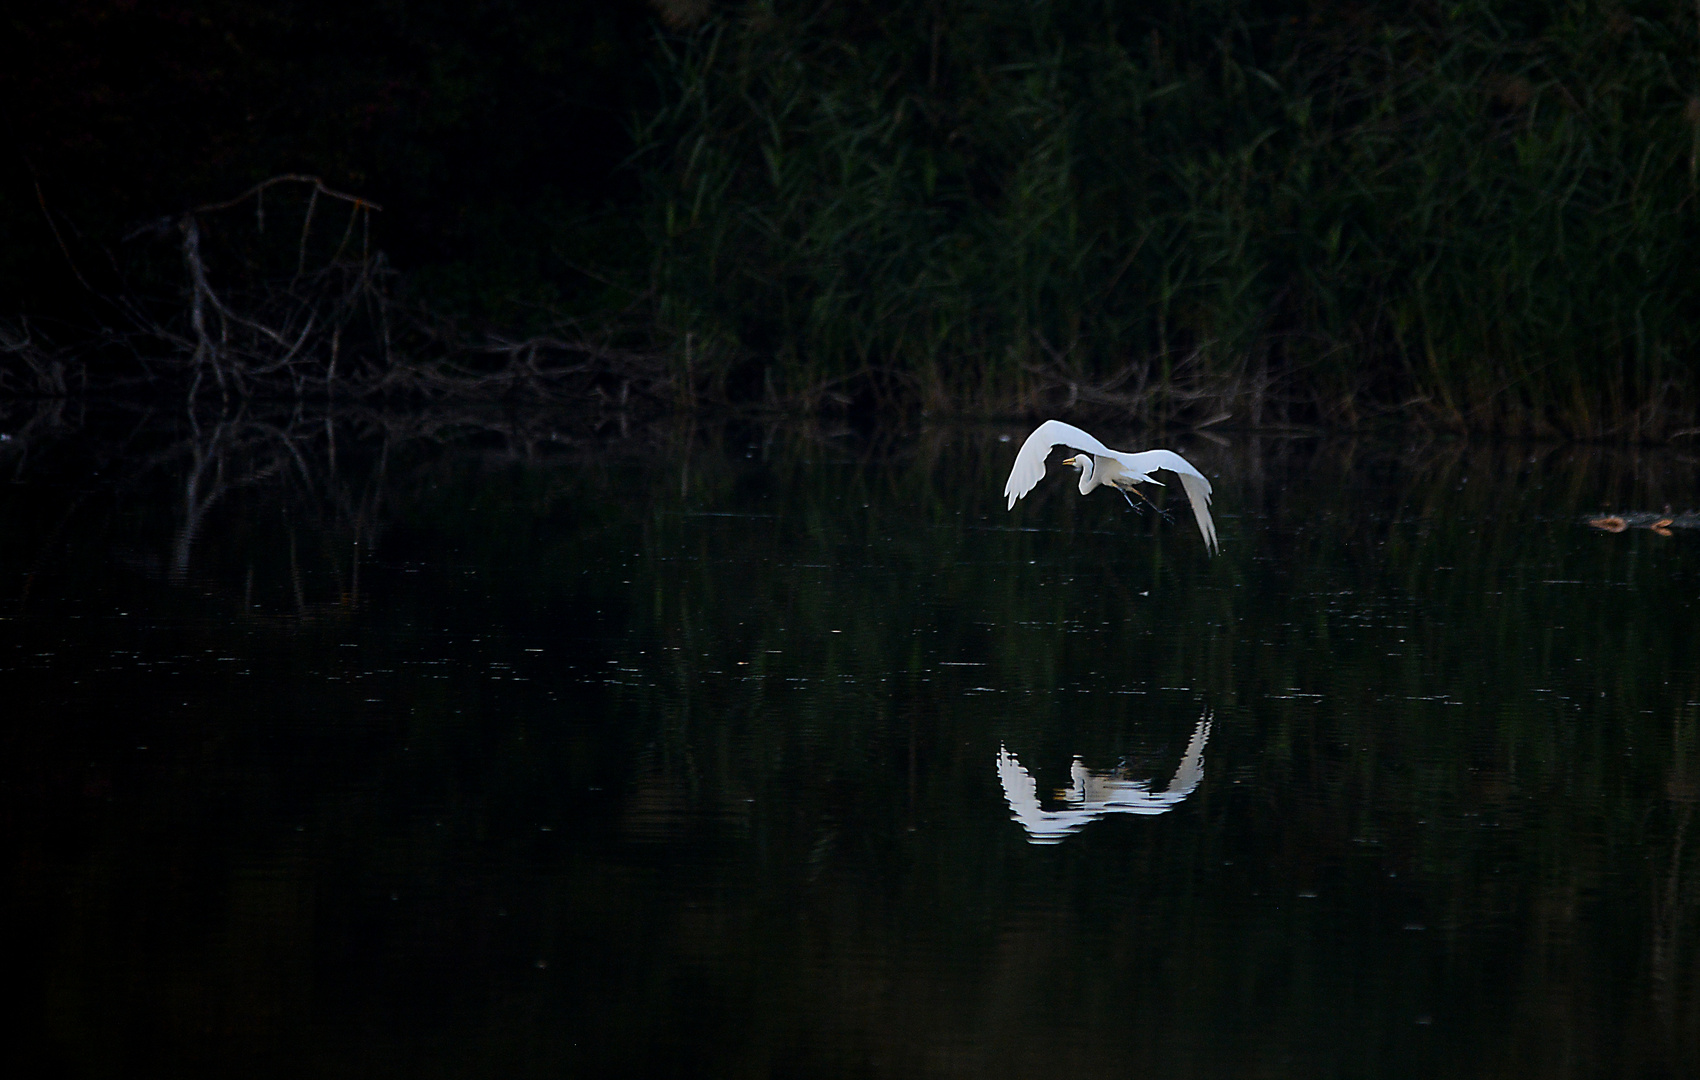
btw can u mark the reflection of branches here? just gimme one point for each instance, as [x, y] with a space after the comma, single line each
[327, 466]
[242, 450]
[208, 481]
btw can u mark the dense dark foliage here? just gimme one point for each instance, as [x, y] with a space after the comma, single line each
[1279, 211]
[487, 131]
[1294, 210]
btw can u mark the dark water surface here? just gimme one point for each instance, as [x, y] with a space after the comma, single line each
[378, 748]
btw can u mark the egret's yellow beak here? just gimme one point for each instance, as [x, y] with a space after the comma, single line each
[1068, 461]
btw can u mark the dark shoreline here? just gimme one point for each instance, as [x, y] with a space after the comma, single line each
[1475, 219]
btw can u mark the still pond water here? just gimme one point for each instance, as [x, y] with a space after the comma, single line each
[376, 746]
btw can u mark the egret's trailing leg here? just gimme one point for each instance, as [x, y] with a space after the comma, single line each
[1162, 513]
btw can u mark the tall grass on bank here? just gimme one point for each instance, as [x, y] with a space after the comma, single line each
[1296, 212]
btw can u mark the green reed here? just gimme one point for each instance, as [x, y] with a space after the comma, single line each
[1292, 212]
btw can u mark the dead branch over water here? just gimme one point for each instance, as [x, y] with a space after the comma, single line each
[280, 291]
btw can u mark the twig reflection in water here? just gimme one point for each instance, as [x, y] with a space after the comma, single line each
[1091, 795]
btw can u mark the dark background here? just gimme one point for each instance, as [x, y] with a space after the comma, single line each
[1336, 213]
[487, 131]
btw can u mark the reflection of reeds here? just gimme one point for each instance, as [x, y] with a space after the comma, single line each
[1007, 205]
[1539, 824]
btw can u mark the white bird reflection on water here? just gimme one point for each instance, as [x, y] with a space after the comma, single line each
[1091, 795]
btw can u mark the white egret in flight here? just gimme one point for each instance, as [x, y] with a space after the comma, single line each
[1102, 467]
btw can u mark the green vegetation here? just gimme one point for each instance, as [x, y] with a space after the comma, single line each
[1479, 215]
[1294, 211]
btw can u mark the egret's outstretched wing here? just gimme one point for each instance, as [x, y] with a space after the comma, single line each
[1029, 466]
[1195, 484]
[1198, 493]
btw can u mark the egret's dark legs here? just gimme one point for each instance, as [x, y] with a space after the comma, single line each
[1162, 513]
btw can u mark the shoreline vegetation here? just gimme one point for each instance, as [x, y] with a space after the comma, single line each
[1475, 217]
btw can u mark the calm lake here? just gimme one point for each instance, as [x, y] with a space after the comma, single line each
[370, 745]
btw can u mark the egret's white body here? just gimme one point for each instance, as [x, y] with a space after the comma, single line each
[1119, 469]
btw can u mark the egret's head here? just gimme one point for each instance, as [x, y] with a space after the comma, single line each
[1083, 464]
